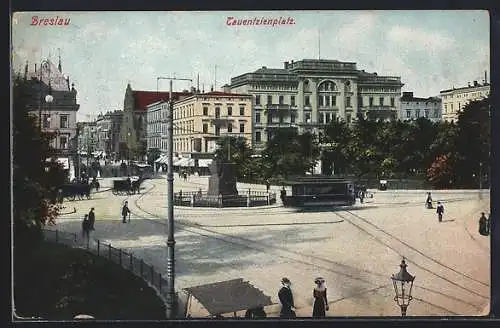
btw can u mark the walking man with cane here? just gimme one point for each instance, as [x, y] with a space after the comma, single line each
[125, 212]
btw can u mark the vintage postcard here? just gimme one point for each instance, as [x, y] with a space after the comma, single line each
[251, 164]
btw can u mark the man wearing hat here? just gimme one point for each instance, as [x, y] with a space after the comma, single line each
[91, 219]
[286, 299]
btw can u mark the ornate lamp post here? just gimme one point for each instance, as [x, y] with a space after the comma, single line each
[403, 283]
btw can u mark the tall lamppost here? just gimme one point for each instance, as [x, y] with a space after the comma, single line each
[171, 297]
[403, 283]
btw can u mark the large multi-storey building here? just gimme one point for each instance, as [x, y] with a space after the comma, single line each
[59, 115]
[199, 121]
[455, 99]
[308, 94]
[413, 108]
[133, 129]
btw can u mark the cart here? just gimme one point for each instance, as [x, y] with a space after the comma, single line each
[226, 297]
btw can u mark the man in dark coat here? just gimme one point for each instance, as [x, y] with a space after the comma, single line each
[440, 211]
[286, 299]
[483, 225]
[91, 218]
[125, 212]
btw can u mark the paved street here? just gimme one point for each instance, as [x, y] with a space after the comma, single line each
[355, 249]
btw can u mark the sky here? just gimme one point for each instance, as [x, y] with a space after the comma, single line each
[103, 51]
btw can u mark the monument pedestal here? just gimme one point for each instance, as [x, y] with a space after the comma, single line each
[223, 179]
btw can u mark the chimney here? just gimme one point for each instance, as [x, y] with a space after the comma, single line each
[286, 65]
[35, 67]
[485, 77]
[468, 83]
[475, 83]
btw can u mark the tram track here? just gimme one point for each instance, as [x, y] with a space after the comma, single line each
[412, 254]
[263, 247]
[302, 258]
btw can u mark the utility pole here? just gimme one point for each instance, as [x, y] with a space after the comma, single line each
[171, 296]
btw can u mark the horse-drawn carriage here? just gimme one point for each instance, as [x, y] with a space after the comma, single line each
[127, 186]
[73, 190]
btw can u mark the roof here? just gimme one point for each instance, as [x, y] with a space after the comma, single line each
[49, 72]
[316, 179]
[145, 98]
[229, 296]
[266, 70]
[465, 88]
[224, 94]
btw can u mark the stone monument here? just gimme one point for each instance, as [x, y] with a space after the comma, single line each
[222, 179]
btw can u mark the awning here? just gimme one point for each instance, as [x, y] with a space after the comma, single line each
[161, 160]
[204, 162]
[177, 160]
[185, 162]
[64, 161]
[229, 296]
[182, 162]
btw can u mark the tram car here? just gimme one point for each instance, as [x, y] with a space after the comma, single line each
[316, 191]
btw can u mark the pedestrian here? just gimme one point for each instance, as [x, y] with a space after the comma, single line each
[440, 211]
[483, 225]
[488, 224]
[285, 296]
[125, 212]
[320, 300]
[283, 195]
[86, 227]
[428, 201]
[92, 218]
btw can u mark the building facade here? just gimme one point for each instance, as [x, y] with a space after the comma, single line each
[413, 108]
[453, 100]
[307, 95]
[199, 121]
[108, 132]
[87, 138]
[58, 116]
[133, 129]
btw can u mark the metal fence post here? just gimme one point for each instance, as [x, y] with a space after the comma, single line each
[109, 252]
[142, 263]
[57, 235]
[131, 263]
[120, 256]
[98, 246]
[160, 281]
[152, 276]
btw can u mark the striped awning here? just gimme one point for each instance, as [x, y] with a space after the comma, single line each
[204, 162]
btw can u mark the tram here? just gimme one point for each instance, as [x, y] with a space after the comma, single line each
[315, 191]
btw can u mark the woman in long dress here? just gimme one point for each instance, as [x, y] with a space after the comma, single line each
[320, 299]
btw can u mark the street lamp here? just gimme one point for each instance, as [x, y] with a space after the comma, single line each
[403, 283]
[171, 296]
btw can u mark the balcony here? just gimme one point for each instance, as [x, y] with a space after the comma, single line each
[221, 120]
[278, 107]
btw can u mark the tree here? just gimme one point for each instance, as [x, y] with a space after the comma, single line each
[288, 153]
[335, 142]
[153, 155]
[473, 142]
[361, 152]
[235, 150]
[33, 188]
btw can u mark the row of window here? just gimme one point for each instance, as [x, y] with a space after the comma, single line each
[327, 101]
[426, 113]
[217, 111]
[467, 95]
[230, 128]
[63, 121]
[375, 90]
